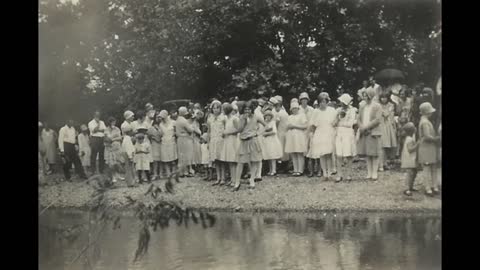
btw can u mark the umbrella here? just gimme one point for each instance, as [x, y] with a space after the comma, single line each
[389, 74]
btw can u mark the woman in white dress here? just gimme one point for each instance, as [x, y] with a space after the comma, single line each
[345, 143]
[322, 124]
[296, 138]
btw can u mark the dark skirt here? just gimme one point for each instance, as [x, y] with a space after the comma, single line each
[369, 145]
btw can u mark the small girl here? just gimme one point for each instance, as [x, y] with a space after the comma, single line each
[129, 152]
[345, 137]
[389, 133]
[142, 157]
[296, 138]
[409, 156]
[84, 148]
[206, 164]
[155, 134]
[228, 152]
[427, 150]
[216, 127]
[272, 150]
[49, 138]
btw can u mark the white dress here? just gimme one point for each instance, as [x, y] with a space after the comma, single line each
[323, 139]
[345, 141]
[142, 160]
[296, 139]
[272, 148]
[228, 152]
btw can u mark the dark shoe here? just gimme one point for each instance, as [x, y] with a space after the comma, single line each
[251, 187]
[436, 191]
[258, 179]
[310, 175]
[235, 189]
[216, 183]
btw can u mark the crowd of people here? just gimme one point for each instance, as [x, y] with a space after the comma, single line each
[319, 138]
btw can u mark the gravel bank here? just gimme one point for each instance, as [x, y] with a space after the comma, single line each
[273, 194]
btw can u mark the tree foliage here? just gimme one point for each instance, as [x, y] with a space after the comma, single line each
[119, 54]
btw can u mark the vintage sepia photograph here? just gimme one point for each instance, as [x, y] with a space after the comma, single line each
[240, 134]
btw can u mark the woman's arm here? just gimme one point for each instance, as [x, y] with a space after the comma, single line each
[427, 135]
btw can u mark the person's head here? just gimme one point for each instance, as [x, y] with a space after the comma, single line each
[384, 98]
[141, 115]
[216, 107]
[227, 109]
[254, 103]
[315, 104]
[70, 123]
[40, 126]
[279, 99]
[403, 94]
[197, 106]
[304, 99]
[365, 83]
[128, 115]
[249, 107]
[84, 129]
[97, 115]
[163, 115]
[261, 101]
[140, 137]
[273, 102]
[182, 111]
[148, 107]
[369, 94]
[345, 100]
[371, 80]
[323, 100]
[294, 107]
[426, 109]
[409, 129]
[427, 93]
[173, 114]
[361, 94]
[111, 121]
[268, 115]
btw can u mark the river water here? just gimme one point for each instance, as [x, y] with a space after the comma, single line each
[252, 241]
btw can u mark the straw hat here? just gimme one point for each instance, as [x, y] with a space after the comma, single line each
[215, 102]
[163, 114]
[371, 93]
[183, 110]
[426, 108]
[345, 99]
[304, 95]
[279, 99]
[293, 100]
[294, 105]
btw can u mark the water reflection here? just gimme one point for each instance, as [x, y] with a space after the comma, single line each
[261, 241]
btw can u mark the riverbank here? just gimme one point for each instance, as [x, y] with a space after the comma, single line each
[273, 194]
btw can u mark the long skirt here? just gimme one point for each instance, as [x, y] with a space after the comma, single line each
[369, 145]
[185, 151]
[249, 151]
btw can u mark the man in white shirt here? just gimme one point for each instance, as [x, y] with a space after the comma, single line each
[68, 149]
[378, 89]
[97, 133]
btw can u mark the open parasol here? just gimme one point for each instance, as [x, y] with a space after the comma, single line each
[389, 75]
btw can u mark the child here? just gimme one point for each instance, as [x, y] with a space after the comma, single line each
[216, 127]
[427, 150]
[296, 138]
[409, 156]
[345, 137]
[228, 152]
[129, 152]
[142, 156]
[168, 148]
[272, 150]
[389, 133]
[84, 147]
[206, 164]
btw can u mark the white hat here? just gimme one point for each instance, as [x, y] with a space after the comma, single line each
[426, 108]
[183, 110]
[279, 99]
[345, 99]
[273, 100]
[304, 95]
[294, 105]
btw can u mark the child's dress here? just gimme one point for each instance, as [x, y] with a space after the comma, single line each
[296, 139]
[323, 140]
[345, 142]
[216, 127]
[272, 148]
[113, 149]
[156, 136]
[228, 152]
[168, 149]
[388, 126]
[142, 160]
[249, 149]
[84, 149]
[204, 149]
[409, 160]
[427, 151]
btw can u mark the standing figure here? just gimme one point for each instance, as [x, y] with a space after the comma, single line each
[97, 133]
[282, 122]
[368, 144]
[323, 140]
[113, 149]
[84, 147]
[183, 131]
[409, 157]
[168, 148]
[296, 138]
[229, 150]
[272, 149]
[67, 142]
[308, 111]
[49, 138]
[216, 127]
[142, 156]
[389, 132]
[155, 134]
[428, 148]
[129, 151]
[345, 145]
